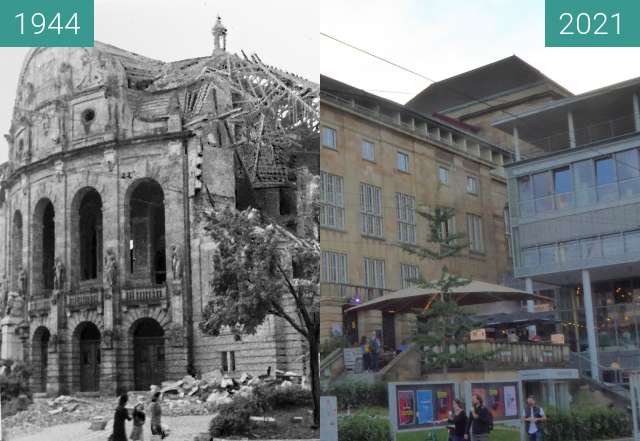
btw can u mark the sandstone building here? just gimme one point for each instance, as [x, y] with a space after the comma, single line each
[111, 155]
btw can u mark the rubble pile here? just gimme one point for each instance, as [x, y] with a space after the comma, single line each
[187, 396]
[214, 389]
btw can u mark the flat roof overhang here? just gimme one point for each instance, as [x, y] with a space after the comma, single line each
[600, 105]
[475, 293]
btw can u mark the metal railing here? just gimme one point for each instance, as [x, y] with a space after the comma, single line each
[151, 294]
[506, 355]
[351, 292]
[599, 131]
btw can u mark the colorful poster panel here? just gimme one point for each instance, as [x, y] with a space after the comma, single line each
[444, 402]
[510, 401]
[424, 399]
[406, 408]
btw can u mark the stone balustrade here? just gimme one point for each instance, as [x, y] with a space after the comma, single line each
[144, 296]
[85, 299]
[39, 305]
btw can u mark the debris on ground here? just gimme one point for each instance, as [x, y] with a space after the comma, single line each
[186, 396]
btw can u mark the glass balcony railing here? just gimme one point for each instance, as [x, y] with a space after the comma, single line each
[586, 197]
[566, 255]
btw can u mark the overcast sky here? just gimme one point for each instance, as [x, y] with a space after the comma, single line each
[441, 38]
[283, 33]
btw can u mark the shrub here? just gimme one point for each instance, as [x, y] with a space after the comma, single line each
[363, 428]
[354, 394]
[233, 418]
[332, 343]
[586, 424]
[279, 397]
[14, 383]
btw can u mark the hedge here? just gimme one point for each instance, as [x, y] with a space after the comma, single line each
[363, 428]
[586, 424]
[354, 394]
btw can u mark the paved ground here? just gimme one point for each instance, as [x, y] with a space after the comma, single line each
[183, 428]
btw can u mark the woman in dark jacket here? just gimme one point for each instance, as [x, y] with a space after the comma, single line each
[121, 415]
[457, 422]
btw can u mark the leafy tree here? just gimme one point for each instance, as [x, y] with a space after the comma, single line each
[443, 325]
[262, 269]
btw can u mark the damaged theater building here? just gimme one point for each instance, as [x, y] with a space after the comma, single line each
[104, 260]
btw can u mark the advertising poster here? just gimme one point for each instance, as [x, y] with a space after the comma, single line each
[444, 402]
[500, 398]
[406, 408]
[424, 399]
[510, 401]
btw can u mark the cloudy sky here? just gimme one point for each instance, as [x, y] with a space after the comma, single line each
[441, 38]
[285, 35]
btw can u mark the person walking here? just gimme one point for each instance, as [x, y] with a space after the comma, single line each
[137, 433]
[156, 416]
[366, 358]
[374, 348]
[457, 422]
[533, 418]
[480, 420]
[119, 418]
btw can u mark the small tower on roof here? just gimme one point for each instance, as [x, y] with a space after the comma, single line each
[219, 37]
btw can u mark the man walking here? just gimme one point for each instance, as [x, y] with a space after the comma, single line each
[533, 419]
[480, 420]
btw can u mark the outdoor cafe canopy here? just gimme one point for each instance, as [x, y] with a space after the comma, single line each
[475, 293]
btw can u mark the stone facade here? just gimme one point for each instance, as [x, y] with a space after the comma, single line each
[355, 117]
[101, 230]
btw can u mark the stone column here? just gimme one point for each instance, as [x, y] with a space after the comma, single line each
[54, 381]
[11, 340]
[591, 325]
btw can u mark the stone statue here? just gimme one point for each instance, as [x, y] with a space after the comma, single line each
[176, 262]
[110, 268]
[15, 305]
[22, 280]
[58, 277]
[4, 290]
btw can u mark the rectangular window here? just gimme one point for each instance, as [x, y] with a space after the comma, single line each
[568, 252]
[368, 151]
[371, 210]
[443, 175]
[584, 182]
[606, 179]
[228, 361]
[474, 233]
[472, 185]
[448, 227]
[409, 275]
[334, 267]
[224, 361]
[373, 273]
[331, 201]
[563, 188]
[530, 257]
[542, 191]
[547, 254]
[628, 165]
[525, 196]
[402, 161]
[329, 138]
[406, 213]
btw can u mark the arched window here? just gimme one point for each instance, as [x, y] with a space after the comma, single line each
[146, 241]
[44, 244]
[90, 235]
[16, 247]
